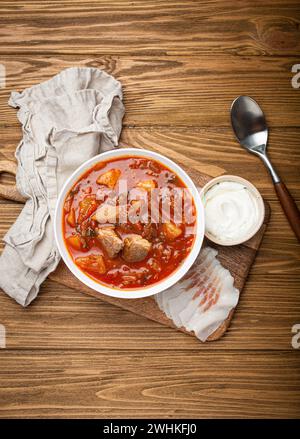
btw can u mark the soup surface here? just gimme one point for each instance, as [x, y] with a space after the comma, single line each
[129, 222]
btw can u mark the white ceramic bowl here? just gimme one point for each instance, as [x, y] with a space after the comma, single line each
[259, 202]
[147, 290]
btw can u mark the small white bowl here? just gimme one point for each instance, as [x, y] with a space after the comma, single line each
[147, 290]
[260, 205]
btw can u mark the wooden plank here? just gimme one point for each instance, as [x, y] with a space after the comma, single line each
[204, 149]
[170, 90]
[105, 384]
[158, 27]
[279, 252]
[62, 318]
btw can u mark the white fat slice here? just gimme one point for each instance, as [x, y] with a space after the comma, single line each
[203, 322]
[178, 290]
[162, 299]
[178, 303]
[203, 299]
[208, 324]
[196, 302]
[158, 298]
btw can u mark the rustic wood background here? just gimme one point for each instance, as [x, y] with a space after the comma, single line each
[181, 65]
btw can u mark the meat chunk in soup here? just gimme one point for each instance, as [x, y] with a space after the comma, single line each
[110, 241]
[136, 248]
[106, 213]
[109, 178]
[150, 231]
[171, 231]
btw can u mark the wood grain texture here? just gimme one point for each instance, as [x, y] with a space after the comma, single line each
[149, 28]
[203, 148]
[172, 90]
[181, 64]
[150, 384]
[62, 318]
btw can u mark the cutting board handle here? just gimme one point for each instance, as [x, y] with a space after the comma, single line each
[10, 192]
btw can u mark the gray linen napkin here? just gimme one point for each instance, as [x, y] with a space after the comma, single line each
[66, 120]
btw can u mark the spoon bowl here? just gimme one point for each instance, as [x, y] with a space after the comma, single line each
[248, 122]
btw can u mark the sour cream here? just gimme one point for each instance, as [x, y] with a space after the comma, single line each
[231, 211]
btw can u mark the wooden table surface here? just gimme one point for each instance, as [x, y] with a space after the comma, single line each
[181, 64]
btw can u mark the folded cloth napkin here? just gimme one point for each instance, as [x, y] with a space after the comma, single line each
[66, 120]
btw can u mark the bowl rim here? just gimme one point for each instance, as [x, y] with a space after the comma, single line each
[147, 290]
[260, 204]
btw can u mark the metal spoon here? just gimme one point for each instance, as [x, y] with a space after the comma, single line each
[250, 127]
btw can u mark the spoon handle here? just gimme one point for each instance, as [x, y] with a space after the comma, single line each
[289, 207]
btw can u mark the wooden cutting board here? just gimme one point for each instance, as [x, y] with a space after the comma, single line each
[237, 259]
